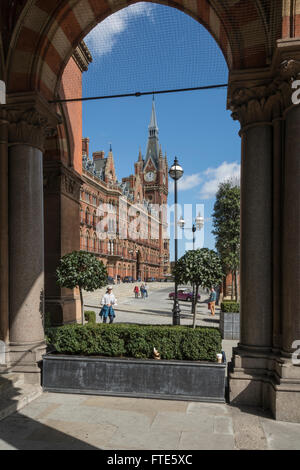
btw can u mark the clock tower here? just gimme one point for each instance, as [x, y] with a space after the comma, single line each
[155, 168]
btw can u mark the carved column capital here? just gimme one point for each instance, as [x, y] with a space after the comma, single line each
[265, 101]
[31, 120]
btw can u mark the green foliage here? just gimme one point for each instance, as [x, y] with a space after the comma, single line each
[226, 222]
[231, 307]
[83, 270]
[138, 341]
[200, 267]
[47, 320]
[90, 316]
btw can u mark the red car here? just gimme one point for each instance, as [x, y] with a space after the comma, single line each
[183, 294]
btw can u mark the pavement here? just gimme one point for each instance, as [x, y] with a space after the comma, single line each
[84, 422]
[56, 421]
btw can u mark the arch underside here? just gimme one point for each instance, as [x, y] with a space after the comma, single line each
[47, 34]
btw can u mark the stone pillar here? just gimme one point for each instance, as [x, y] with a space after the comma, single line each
[264, 371]
[253, 109]
[4, 261]
[62, 221]
[29, 119]
[256, 237]
[291, 231]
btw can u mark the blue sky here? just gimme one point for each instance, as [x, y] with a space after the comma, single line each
[132, 51]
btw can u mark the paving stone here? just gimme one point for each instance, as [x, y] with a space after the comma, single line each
[183, 422]
[223, 425]
[211, 409]
[200, 441]
[147, 440]
[280, 435]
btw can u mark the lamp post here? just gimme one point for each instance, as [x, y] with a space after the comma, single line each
[198, 225]
[176, 173]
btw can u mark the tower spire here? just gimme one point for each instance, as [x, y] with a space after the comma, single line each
[153, 145]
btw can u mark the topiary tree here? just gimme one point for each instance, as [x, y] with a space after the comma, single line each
[202, 268]
[226, 221]
[82, 270]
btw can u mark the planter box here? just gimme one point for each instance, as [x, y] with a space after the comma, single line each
[230, 325]
[172, 380]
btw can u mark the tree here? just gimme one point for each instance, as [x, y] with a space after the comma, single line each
[226, 222]
[202, 268]
[82, 270]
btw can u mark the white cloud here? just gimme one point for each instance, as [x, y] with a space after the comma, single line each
[210, 179]
[187, 182]
[103, 37]
[214, 176]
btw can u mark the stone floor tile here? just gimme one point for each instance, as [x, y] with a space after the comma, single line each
[211, 409]
[96, 435]
[280, 435]
[200, 441]
[145, 440]
[223, 425]
[183, 422]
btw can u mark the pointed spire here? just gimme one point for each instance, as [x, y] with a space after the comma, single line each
[160, 152]
[140, 155]
[153, 143]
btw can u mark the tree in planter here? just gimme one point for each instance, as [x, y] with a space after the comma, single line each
[202, 268]
[82, 270]
[226, 221]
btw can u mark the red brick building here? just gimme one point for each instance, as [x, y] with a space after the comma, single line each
[124, 223]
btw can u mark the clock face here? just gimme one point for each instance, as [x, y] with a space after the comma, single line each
[150, 176]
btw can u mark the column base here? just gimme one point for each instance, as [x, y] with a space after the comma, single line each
[63, 310]
[265, 380]
[27, 359]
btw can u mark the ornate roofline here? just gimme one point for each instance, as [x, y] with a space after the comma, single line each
[82, 56]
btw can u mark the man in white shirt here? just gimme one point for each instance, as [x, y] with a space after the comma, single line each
[108, 301]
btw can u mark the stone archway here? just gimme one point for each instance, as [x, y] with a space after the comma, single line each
[37, 41]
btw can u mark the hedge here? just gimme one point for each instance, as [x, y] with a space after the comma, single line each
[231, 307]
[137, 341]
[90, 316]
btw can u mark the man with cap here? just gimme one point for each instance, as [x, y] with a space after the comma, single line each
[108, 301]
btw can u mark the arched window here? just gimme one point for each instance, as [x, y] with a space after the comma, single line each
[87, 242]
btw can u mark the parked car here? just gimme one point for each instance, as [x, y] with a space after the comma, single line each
[150, 279]
[110, 280]
[184, 294]
[128, 279]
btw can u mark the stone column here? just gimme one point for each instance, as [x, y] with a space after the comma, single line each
[253, 109]
[291, 232]
[4, 261]
[29, 119]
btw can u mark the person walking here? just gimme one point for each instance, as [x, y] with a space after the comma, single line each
[146, 289]
[108, 302]
[212, 301]
[142, 289]
[136, 291]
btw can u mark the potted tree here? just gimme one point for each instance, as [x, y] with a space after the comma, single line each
[202, 268]
[82, 270]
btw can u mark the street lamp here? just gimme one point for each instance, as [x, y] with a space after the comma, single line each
[176, 173]
[198, 225]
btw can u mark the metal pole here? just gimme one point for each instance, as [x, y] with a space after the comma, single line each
[193, 298]
[176, 309]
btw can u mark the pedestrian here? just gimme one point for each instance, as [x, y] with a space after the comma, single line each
[142, 289]
[108, 302]
[136, 291]
[212, 301]
[146, 289]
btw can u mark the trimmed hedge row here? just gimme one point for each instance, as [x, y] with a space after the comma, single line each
[231, 307]
[137, 341]
[90, 316]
